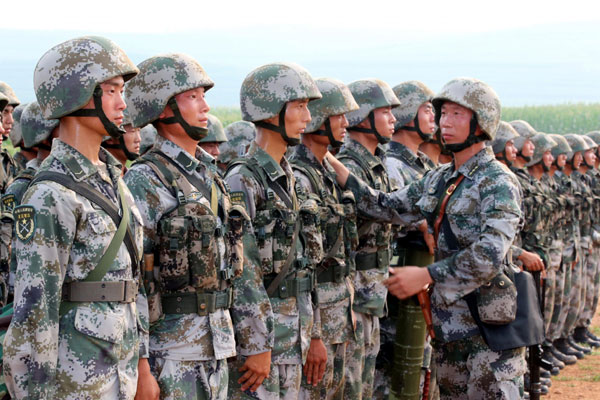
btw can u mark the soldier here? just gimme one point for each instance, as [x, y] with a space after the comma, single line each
[192, 241]
[275, 98]
[127, 147]
[216, 136]
[7, 112]
[315, 179]
[5, 231]
[239, 134]
[482, 217]
[148, 137]
[24, 154]
[8, 168]
[370, 126]
[503, 144]
[80, 323]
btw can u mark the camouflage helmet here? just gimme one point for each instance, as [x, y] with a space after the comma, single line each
[412, 94]
[595, 135]
[590, 142]
[148, 135]
[216, 133]
[543, 143]
[562, 146]
[10, 94]
[336, 100]
[504, 133]
[267, 89]
[576, 143]
[160, 79]
[3, 101]
[240, 134]
[16, 134]
[34, 126]
[67, 76]
[370, 94]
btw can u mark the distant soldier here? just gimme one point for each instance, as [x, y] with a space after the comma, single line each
[7, 112]
[126, 147]
[286, 242]
[192, 236]
[148, 137]
[80, 323]
[315, 179]
[503, 144]
[239, 136]
[214, 138]
[24, 154]
[8, 167]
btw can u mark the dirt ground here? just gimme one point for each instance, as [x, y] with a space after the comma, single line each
[582, 380]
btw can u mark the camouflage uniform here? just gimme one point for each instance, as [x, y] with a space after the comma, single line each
[595, 256]
[16, 136]
[373, 253]
[239, 134]
[265, 188]
[192, 247]
[148, 135]
[89, 350]
[483, 218]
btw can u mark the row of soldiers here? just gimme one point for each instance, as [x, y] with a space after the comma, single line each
[268, 278]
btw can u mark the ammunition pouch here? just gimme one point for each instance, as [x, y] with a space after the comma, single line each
[333, 271]
[197, 303]
[92, 291]
[379, 260]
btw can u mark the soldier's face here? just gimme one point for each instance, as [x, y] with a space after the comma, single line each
[338, 124]
[547, 158]
[132, 139]
[455, 122]
[561, 160]
[297, 116]
[528, 148]
[577, 160]
[211, 148]
[193, 107]
[511, 151]
[590, 157]
[384, 121]
[7, 119]
[426, 116]
[113, 104]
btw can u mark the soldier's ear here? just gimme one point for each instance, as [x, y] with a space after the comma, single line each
[166, 113]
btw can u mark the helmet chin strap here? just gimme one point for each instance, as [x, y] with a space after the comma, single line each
[111, 128]
[121, 145]
[504, 158]
[195, 132]
[587, 164]
[327, 132]
[546, 169]
[280, 128]
[424, 136]
[372, 130]
[471, 139]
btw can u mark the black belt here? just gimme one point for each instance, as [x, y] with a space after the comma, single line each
[196, 303]
[376, 260]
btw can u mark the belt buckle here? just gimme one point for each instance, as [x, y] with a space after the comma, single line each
[451, 189]
[130, 291]
[203, 303]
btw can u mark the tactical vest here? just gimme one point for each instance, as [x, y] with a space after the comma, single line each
[379, 259]
[192, 243]
[337, 222]
[274, 228]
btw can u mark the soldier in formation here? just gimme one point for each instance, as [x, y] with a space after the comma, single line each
[249, 262]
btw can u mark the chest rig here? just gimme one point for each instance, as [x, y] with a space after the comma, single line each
[379, 259]
[337, 222]
[195, 243]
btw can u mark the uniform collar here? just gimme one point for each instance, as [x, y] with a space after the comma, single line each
[79, 166]
[176, 153]
[470, 167]
[372, 159]
[269, 165]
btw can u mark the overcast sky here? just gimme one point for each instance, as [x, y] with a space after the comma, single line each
[530, 51]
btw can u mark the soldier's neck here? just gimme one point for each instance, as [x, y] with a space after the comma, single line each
[583, 169]
[81, 137]
[553, 170]
[272, 143]
[28, 154]
[312, 143]
[181, 140]
[409, 139]
[368, 140]
[465, 155]
[567, 170]
[432, 151]
[536, 171]
[519, 162]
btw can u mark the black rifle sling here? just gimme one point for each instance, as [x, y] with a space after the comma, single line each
[96, 197]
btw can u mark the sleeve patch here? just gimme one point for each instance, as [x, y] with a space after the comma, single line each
[25, 223]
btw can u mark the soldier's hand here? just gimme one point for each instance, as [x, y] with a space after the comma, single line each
[316, 360]
[256, 368]
[407, 281]
[147, 387]
[531, 261]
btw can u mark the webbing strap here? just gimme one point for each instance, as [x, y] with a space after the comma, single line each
[442, 209]
[109, 255]
[288, 262]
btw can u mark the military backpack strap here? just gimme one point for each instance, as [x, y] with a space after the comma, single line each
[105, 262]
[93, 195]
[351, 155]
[27, 174]
[288, 263]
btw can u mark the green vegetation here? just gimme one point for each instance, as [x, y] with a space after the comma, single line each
[561, 118]
[227, 115]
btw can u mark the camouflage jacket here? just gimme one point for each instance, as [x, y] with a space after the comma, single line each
[333, 322]
[8, 170]
[585, 198]
[273, 223]
[569, 228]
[188, 336]
[373, 251]
[594, 175]
[20, 161]
[94, 347]
[483, 215]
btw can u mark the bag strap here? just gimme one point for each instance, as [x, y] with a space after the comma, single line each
[442, 209]
[93, 195]
[288, 262]
[109, 255]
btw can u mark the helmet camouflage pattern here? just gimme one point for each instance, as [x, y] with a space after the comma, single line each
[268, 88]
[543, 143]
[595, 135]
[504, 133]
[10, 94]
[216, 133]
[66, 76]
[16, 134]
[162, 77]
[562, 146]
[576, 143]
[336, 100]
[589, 141]
[370, 94]
[412, 94]
[148, 137]
[3, 101]
[240, 135]
[525, 131]
[34, 126]
[475, 95]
